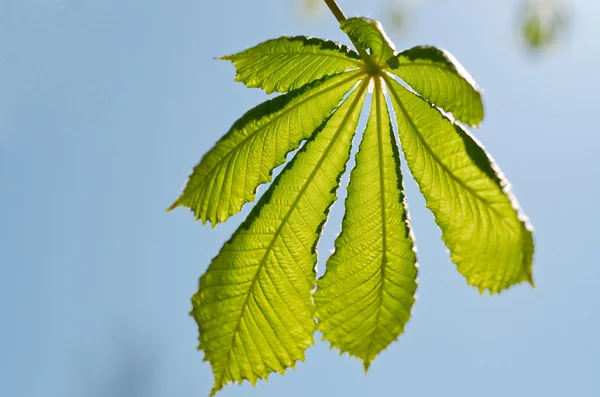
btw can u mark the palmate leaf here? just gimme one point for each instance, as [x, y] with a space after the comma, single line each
[364, 299]
[254, 308]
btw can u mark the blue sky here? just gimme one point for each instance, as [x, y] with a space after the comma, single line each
[106, 105]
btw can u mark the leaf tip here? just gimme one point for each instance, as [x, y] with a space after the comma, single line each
[366, 364]
[215, 389]
[476, 124]
[530, 280]
[173, 206]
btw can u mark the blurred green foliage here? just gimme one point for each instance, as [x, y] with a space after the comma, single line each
[542, 23]
[311, 7]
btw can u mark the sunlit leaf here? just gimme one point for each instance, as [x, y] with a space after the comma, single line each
[489, 239]
[442, 80]
[254, 308]
[369, 34]
[228, 175]
[364, 299]
[288, 63]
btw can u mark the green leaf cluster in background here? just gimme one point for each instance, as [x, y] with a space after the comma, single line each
[543, 22]
[259, 303]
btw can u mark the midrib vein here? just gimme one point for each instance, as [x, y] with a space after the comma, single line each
[383, 214]
[357, 62]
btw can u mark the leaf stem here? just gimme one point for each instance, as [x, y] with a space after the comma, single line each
[337, 12]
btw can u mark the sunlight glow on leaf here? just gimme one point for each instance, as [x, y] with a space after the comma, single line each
[258, 303]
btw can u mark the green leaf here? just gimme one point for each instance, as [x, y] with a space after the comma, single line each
[254, 308]
[365, 298]
[288, 63]
[489, 238]
[229, 174]
[369, 33]
[438, 77]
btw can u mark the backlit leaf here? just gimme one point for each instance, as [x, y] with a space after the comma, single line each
[365, 298]
[438, 77]
[369, 34]
[489, 239]
[254, 308]
[288, 63]
[228, 175]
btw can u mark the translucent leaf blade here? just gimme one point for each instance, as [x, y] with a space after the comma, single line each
[369, 33]
[365, 298]
[489, 239]
[254, 307]
[229, 174]
[439, 78]
[288, 63]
